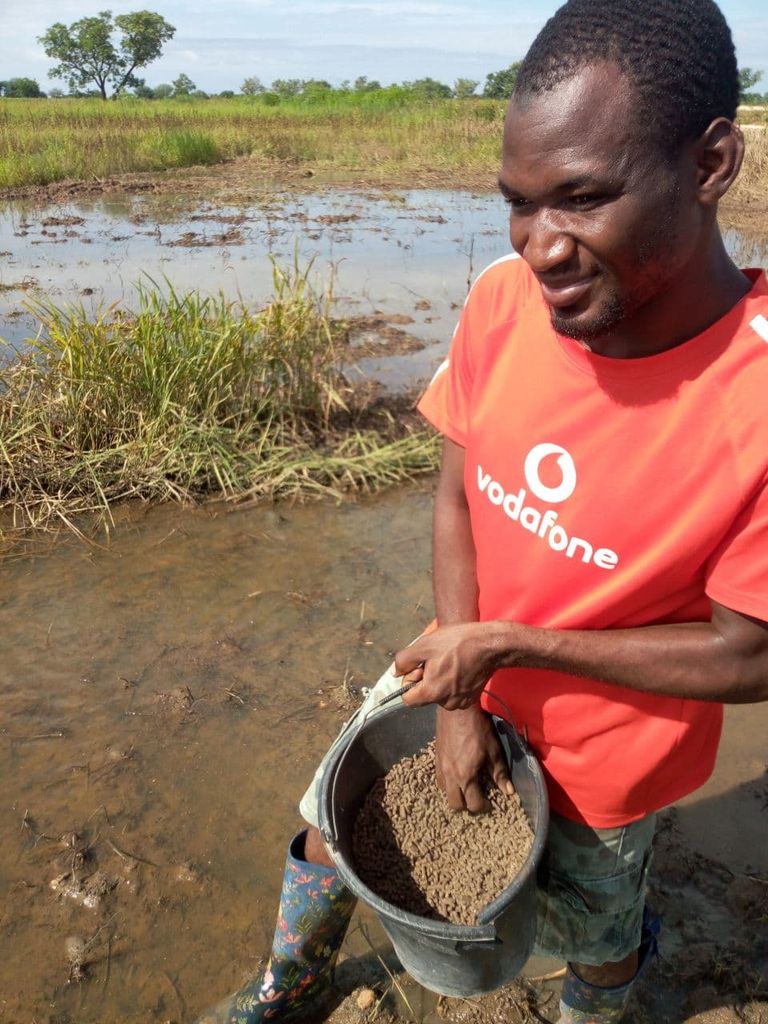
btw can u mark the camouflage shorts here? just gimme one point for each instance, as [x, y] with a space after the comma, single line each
[591, 890]
[591, 882]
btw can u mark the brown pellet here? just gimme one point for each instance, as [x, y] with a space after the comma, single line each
[418, 855]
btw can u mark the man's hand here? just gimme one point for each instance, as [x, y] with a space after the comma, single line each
[456, 663]
[466, 748]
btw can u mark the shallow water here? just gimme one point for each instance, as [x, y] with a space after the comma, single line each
[164, 699]
[408, 253]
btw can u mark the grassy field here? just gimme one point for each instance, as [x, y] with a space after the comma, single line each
[376, 134]
[191, 397]
[48, 141]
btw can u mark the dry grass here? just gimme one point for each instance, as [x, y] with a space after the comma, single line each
[45, 142]
[751, 183]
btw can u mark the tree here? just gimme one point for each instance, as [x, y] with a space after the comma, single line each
[162, 91]
[287, 87]
[87, 52]
[183, 85]
[747, 78]
[429, 89]
[499, 85]
[143, 91]
[363, 85]
[252, 86]
[464, 88]
[21, 88]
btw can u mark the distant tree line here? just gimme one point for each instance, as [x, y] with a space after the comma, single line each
[118, 72]
[498, 85]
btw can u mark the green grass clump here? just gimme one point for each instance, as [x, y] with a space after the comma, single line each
[190, 397]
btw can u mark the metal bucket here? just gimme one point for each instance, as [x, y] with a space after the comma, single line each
[450, 959]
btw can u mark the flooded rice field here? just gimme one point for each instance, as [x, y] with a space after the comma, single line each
[404, 258]
[164, 697]
[408, 255]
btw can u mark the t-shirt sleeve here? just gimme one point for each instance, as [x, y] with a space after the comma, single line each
[446, 402]
[737, 573]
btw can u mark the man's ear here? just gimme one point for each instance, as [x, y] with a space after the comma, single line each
[719, 156]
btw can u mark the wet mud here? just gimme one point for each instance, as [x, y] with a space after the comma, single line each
[164, 699]
[414, 852]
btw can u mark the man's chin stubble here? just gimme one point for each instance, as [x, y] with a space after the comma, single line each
[604, 323]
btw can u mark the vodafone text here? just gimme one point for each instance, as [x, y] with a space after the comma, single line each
[543, 525]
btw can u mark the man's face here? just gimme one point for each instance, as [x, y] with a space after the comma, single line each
[604, 221]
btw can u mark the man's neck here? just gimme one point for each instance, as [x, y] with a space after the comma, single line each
[701, 296]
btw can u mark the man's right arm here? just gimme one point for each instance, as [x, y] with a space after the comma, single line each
[466, 742]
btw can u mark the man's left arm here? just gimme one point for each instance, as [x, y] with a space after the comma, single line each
[724, 660]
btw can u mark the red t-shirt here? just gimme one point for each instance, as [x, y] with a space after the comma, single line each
[605, 494]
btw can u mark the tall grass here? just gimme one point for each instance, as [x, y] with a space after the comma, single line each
[188, 397]
[378, 134]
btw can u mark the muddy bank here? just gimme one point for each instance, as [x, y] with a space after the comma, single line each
[248, 177]
[245, 180]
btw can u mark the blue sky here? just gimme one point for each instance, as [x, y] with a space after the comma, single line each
[218, 43]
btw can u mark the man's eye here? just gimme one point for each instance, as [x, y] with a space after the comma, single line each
[516, 202]
[587, 199]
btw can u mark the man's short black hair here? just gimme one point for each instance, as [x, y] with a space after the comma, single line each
[679, 55]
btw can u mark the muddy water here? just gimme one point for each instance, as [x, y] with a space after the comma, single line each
[162, 704]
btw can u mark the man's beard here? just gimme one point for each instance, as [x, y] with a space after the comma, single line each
[609, 317]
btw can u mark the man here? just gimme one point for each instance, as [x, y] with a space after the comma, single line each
[601, 518]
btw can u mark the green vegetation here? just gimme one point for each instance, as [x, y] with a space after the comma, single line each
[372, 133]
[191, 397]
[748, 77]
[89, 54]
[21, 88]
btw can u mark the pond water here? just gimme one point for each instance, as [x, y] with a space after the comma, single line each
[165, 696]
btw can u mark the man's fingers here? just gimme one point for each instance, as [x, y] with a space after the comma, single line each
[408, 659]
[500, 775]
[415, 676]
[420, 695]
[474, 798]
[454, 796]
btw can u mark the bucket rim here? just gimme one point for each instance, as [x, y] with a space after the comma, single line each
[484, 930]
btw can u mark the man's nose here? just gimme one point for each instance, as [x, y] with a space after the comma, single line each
[542, 241]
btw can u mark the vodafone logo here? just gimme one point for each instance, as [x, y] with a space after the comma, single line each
[545, 524]
[533, 461]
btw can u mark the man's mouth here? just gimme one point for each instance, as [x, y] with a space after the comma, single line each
[568, 293]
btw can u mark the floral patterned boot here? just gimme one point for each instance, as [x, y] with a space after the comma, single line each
[315, 908]
[582, 1003]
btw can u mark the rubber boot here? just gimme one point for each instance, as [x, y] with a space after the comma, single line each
[315, 909]
[582, 1003]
